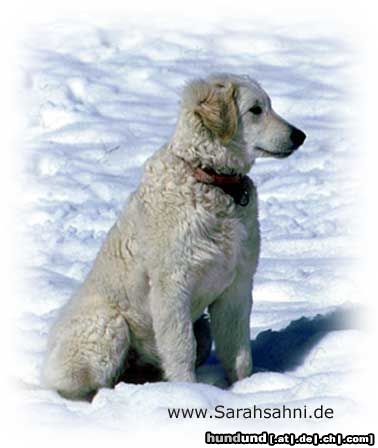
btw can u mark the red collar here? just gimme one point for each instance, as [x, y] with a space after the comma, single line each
[237, 186]
[209, 176]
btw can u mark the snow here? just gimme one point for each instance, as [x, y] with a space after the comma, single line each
[101, 99]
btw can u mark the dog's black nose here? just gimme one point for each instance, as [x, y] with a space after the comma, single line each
[297, 137]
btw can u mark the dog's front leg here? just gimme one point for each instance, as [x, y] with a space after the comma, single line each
[173, 328]
[229, 319]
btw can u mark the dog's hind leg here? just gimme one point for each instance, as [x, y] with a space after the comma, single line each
[87, 349]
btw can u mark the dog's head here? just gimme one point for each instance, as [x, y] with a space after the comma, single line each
[229, 121]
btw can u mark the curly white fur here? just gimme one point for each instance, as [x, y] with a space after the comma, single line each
[178, 247]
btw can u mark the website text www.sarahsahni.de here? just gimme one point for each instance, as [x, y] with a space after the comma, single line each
[254, 412]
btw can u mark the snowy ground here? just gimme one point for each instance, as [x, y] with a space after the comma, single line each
[99, 101]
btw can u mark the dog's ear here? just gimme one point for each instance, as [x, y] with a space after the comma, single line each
[215, 105]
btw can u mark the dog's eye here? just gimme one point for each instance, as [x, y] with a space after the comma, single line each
[256, 110]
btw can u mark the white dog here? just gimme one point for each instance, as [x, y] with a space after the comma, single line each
[187, 240]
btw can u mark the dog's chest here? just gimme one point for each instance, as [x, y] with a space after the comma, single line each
[222, 247]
